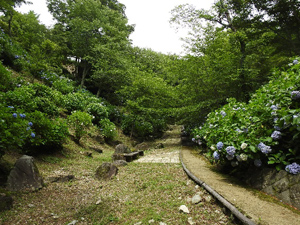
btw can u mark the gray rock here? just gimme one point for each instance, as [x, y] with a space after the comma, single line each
[196, 199]
[121, 148]
[24, 176]
[106, 171]
[119, 163]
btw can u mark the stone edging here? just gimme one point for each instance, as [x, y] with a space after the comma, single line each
[241, 217]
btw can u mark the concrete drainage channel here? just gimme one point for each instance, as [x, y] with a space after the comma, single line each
[240, 216]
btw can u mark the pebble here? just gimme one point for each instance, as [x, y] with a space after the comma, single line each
[184, 209]
[151, 221]
[190, 221]
[162, 223]
[31, 205]
[73, 222]
[139, 223]
[196, 199]
[207, 198]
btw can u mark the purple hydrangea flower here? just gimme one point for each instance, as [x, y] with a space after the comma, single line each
[276, 135]
[216, 155]
[30, 124]
[293, 168]
[223, 113]
[264, 148]
[295, 95]
[274, 107]
[257, 162]
[15, 115]
[295, 61]
[220, 145]
[230, 150]
[32, 135]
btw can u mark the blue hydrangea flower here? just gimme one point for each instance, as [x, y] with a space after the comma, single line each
[276, 135]
[264, 148]
[28, 128]
[220, 145]
[223, 113]
[30, 124]
[22, 115]
[274, 107]
[295, 61]
[277, 128]
[293, 168]
[193, 139]
[257, 162]
[216, 155]
[295, 95]
[11, 107]
[15, 115]
[32, 135]
[230, 150]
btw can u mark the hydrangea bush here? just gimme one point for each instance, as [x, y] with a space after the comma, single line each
[263, 132]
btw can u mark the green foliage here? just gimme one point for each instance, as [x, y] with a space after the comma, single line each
[271, 117]
[46, 135]
[98, 111]
[13, 130]
[108, 129]
[34, 97]
[5, 78]
[79, 122]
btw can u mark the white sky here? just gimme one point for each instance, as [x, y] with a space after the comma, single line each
[151, 19]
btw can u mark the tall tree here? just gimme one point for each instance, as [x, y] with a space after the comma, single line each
[7, 8]
[93, 27]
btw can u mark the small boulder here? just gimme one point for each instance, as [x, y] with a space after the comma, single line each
[119, 163]
[24, 176]
[106, 171]
[196, 199]
[121, 148]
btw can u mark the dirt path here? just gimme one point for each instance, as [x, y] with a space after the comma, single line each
[260, 211]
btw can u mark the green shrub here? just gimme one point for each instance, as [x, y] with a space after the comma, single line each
[108, 129]
[45, 134]
[79, 122]
[13, 128]
[98, 111]
[136, 126]
[5, 78]
[263, 132]
[35, 97]
[63, 85]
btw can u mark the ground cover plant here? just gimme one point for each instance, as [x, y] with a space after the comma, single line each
[263, 132]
